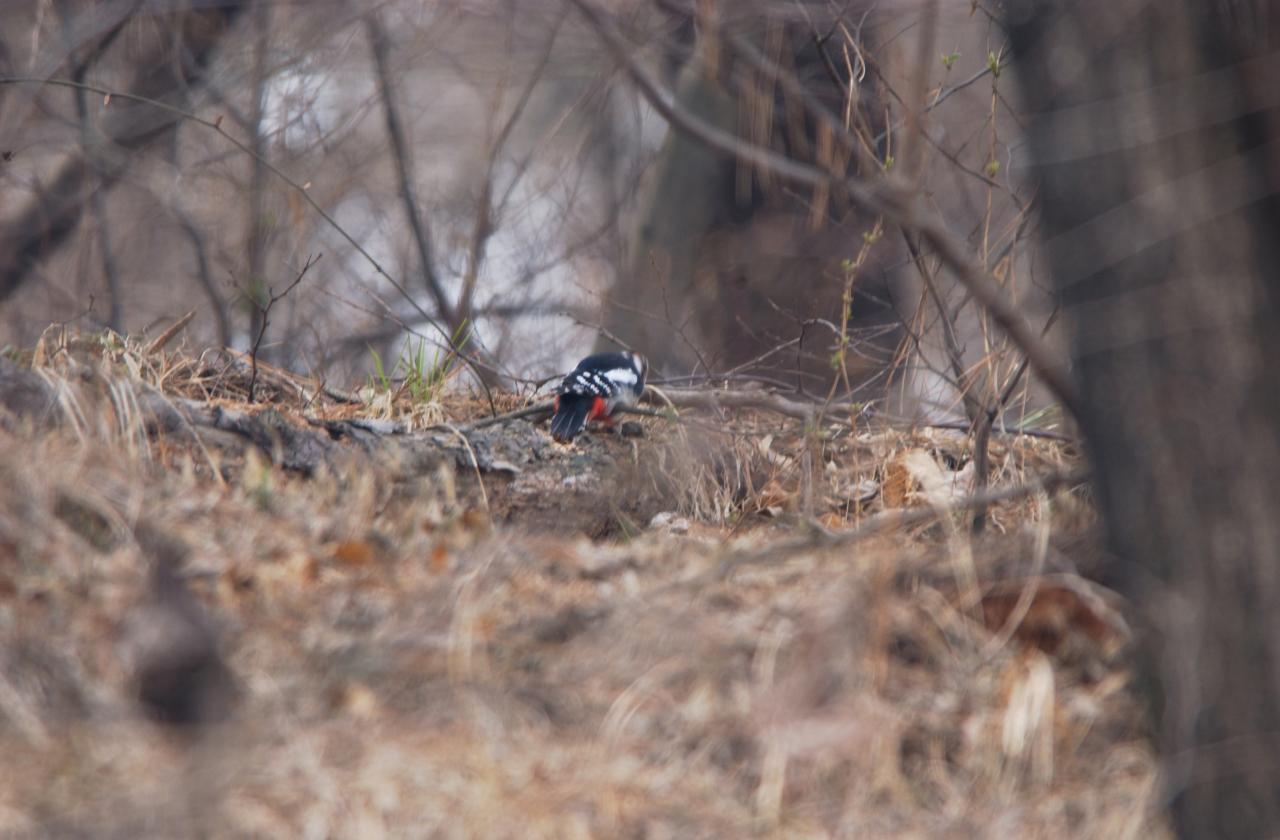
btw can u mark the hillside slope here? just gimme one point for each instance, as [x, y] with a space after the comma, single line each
[308, 616]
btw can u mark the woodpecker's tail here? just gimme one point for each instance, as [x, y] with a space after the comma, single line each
[572, 413]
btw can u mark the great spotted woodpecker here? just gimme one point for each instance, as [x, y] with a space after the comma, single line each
[598, 386]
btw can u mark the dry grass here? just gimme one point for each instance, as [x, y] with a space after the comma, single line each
[408, 669]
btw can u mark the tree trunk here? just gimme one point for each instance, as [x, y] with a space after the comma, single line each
[727, 264]
[685, 203]
[1154, 143]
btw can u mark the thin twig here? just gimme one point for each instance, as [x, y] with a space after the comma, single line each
[264, 311]
[599, 328]
[484, 227]
[955, 354]
[766, 400]
[203, 275]
[675, 398]
[982, 436]
[520, 413]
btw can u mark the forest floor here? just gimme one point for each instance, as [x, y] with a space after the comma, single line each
[723, 627]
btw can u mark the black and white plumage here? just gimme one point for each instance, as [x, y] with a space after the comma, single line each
[597, 387]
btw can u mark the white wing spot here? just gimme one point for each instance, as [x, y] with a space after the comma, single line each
[622, 377]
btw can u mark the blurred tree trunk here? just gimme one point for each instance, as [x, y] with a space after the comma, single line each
[1155, 144]
[685, 203]
[727, 263]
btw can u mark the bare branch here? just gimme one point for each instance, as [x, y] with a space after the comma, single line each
[713, 399]
[264, 313]
[379, 46]
[483, 228]
[955, 355]
[204, 276]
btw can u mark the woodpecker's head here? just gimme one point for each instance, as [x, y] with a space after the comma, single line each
[640, 365]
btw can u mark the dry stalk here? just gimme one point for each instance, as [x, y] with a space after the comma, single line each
[159, 342]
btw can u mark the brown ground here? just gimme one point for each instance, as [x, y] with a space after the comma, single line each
[410, 655]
